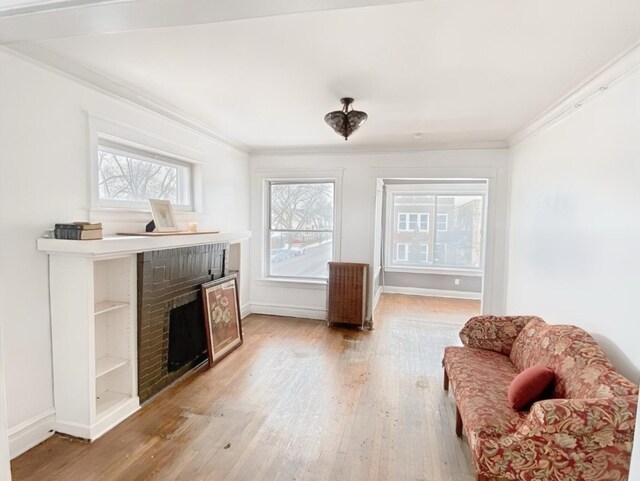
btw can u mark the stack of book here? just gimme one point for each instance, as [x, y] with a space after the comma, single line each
[79, 231]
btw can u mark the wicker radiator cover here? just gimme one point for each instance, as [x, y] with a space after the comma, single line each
[347, 293]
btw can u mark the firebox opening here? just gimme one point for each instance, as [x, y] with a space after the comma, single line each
[187, 341]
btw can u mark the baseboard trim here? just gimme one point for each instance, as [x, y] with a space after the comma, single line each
[417, 291]
[93, 432]
[289, 311]
[245, 310]
[31, 432]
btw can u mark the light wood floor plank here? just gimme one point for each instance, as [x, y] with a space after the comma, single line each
[297, 402]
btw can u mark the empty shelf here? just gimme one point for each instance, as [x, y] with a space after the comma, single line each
[106, 306]
[105, 365]
[109, 399]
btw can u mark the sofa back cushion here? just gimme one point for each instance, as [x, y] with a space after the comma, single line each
[582, 370]
[526, 346]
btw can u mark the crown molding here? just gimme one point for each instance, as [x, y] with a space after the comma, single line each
[379, 149]
[77, 71]
[48, 6]
[599, 82]
[72, 18]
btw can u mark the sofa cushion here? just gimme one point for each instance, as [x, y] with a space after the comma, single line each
[525, 347]
[494, 333]
[529, 386]
[480, 380]
[581, 368]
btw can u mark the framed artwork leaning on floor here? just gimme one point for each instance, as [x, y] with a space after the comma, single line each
[222, 317]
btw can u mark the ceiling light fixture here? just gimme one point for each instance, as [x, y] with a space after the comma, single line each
[345, 121]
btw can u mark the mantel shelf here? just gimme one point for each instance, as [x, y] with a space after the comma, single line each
[120, 245]
[107, 306]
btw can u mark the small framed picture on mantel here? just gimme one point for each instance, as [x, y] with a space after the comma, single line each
[163, 215]
[222, 317]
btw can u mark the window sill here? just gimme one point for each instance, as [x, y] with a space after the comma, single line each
[117, 214]
[316, 284]
[445, 271]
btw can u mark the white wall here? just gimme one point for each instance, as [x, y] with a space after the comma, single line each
[575, 223]
[360, 172]
[44, 174]
[5, 467]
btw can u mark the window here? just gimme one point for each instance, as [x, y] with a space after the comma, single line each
[128, 177]
[301, 228]
[402, 252]
[423, 253]
[410, 222]
[455, 239]
[440, 254]
[442, 220]
[403, 222]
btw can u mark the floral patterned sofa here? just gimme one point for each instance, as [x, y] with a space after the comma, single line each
[584, 432]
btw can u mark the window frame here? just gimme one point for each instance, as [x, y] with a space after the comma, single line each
[446, 222]
[103, 130]
[418, 222]
[406, 222]
[121, 149]
[438, 189]
[426, 251]
[406, 251]
[293, 178]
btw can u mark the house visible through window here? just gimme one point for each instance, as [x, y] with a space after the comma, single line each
[301, 228]
[454, 239]
[128, 177]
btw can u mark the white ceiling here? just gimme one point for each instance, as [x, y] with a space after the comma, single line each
[457, 71]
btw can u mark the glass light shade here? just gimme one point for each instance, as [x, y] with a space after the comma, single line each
[345, 122]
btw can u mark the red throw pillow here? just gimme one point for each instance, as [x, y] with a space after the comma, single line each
[529, 386]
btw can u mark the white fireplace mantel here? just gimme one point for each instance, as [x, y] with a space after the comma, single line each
[119, 245]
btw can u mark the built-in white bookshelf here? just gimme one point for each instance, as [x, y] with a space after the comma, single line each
[93, 311]
[114, 334]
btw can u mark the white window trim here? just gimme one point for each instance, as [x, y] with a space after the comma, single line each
[408, 221]
[262, 180]
[444, 246]
[446, 222]
[113, 132]
[459, 189]
[446, 271]
[270, 230]
[420, 221]
[426, 252]
[406, 252]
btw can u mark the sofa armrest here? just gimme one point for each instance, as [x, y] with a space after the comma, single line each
[493, 333]
[582, 416]
[563, 439]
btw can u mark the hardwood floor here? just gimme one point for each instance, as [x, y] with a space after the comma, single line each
[297, 401]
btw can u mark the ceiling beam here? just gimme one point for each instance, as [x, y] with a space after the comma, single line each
[70, 18]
